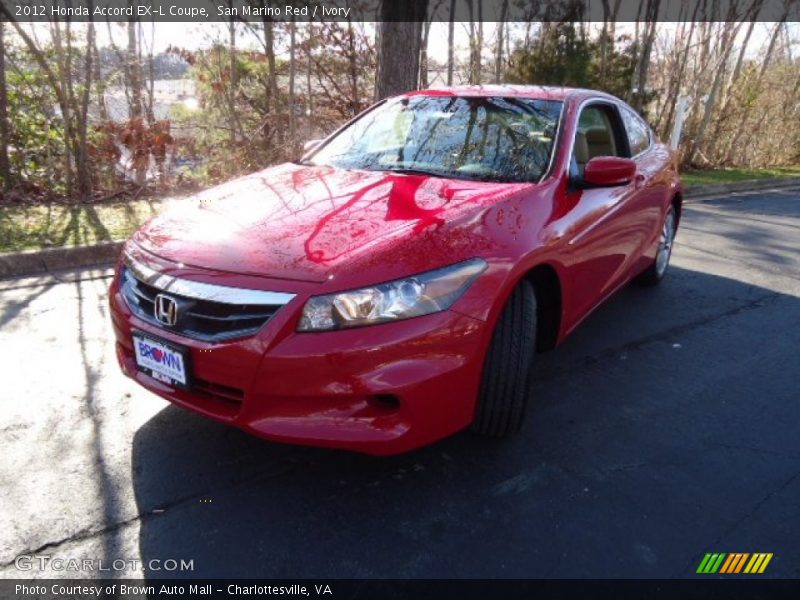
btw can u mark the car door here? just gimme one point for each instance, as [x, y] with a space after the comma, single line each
[605, 232]
[651, 159]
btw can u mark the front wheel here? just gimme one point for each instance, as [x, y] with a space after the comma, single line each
[655, 272]
[508, 368]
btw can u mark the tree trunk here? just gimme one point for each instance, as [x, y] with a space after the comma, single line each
[729, 36]
[99, 83]
[767, 59]
[423, 55]
[478, 63]
[612, 26]
[738, 68]
[451, 42]
[604, 42]
[675, 84]
[644, 58]
[84, 171]
[399, 39]
[271, 81]
[5, 167]
[471, 16]
[635, 52]
[66, 107]
[292, 120]
[498, 57]
[771, 48]
[232, 81]
[134, 73]
[725, 100]
[151, 83]
[475, 41]
[309, 94]
[355, 95]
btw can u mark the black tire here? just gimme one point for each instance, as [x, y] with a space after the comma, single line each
[653, 274]
[508, 368]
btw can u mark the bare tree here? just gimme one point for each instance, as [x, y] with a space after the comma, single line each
[478, 46]
[451, 41]
[762, 71]
[82, 154]
[271, 78]
[643, 64]
[99, 82]
[677, 78]
[755, 9]
[233, 81]
[608, 35]
[309, 93]
[727, 94]
[475, 40]
[151, 78]
[5, 167]
[353, 69]
[72, 113]
[498, 55]
[292, 116]
[134, 73]
[729, 32]
[399, 39]
[423, 51]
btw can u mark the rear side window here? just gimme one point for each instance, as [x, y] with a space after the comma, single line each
[637, 130]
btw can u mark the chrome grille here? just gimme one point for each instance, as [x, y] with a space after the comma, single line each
[201, 313]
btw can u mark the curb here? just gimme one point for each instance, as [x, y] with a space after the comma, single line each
[751, 185]
[32, 262]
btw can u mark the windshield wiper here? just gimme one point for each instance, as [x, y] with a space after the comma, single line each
[498, 179]
[456, 175]
[413, 171]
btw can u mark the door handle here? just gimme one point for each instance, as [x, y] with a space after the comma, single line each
[638, 180]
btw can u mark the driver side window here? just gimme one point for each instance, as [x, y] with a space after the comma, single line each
[597, 135]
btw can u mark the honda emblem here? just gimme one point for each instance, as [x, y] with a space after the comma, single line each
[166, 310]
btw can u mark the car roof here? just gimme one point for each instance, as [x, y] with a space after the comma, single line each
[539, 92]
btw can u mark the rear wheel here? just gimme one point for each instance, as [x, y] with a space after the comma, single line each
[508, 368]
[655, 273]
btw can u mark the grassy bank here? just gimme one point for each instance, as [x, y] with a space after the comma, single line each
[714, 176]
[30, 227]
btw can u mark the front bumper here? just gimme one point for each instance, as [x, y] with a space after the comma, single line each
[383, 389]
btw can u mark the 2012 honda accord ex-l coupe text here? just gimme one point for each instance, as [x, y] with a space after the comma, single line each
[393, 286]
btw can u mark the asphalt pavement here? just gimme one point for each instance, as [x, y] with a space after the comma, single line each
[668, 426]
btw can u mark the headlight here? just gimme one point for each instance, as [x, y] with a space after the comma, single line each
[402, 299]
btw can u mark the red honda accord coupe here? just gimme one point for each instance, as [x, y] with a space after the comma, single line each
[394, 285]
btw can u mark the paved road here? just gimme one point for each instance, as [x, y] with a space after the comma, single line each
[667, 427]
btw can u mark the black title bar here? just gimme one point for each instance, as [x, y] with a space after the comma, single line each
[705, 588]
[200, 11]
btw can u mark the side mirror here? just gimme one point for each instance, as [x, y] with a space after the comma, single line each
[310, 145]
[608, 171]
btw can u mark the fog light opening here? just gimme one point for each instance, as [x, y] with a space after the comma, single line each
[386, 401]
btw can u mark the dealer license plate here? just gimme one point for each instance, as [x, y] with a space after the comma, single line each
[163, 361]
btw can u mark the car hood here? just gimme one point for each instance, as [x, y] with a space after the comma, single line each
[307, 223]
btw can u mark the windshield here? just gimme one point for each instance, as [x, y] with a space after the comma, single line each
[485, 138]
